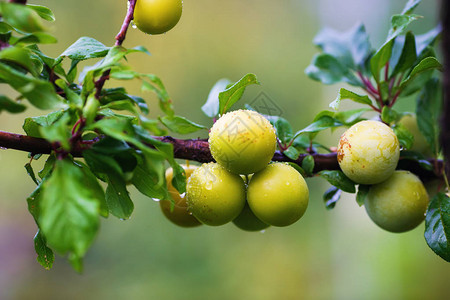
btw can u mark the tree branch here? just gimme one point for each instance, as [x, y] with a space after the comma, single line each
[126, 23]
[198, 150]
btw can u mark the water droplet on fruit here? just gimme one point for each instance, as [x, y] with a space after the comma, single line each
[263, 231]
[156, 199]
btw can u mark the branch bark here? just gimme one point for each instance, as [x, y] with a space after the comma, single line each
[198, 150]
[126, 23]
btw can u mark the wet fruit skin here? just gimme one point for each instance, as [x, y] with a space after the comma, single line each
[420, 143]
[242, 141]
[368, 152]
[398, 204]
[157, 16]
[214, 195]
[248, 221]
[179, 215]
[278, 195]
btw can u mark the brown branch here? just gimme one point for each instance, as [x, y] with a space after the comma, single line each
[198, 150]
[445, 120]
[126, 23]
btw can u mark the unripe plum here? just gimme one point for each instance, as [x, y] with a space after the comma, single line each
[399, 203]
[242, 141]
[278, 195]
[214, 195]
[368, 152]
[179, 214]
[420, 143]
[157, 16]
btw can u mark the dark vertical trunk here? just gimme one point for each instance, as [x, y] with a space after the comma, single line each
[445, 121]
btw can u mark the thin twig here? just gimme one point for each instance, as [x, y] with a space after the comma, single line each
[126, 23]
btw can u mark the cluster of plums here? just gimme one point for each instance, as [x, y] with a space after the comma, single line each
[242, 187]
[368, 153]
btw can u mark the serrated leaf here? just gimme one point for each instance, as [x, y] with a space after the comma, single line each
[48, 166]
[380, 58]
[322, 123]
[211, 106]
[308, 164]
[117, 197]
[283, 129]
[437, 226]
[40, 93]
[363, 191]
[428, 63]
[231, 95]
[428, 111]
[11, 105]
[32, 125]
[328, 70]
[149, 177]
[30, 173]
[69, 211]
[407, 57]
[350, 117]
[21, 17]
[292, 153]
[346, 94]
[44, 12]
[351, 47]
[389, 115]
[59, 131]
[181, 125]
[405, 138]
[331, 197]
[339, 180]
[399, 23]
[45, 255]
[85, 48]
[36, 38]
[19, 56]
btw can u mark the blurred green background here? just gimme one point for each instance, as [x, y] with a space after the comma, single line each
[337, 254]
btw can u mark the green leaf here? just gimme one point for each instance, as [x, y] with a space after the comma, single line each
[437, 226]
[352, 48]
[117, 197]
[74, 99]
[149, 177]
[19, 56]
[405, 138]
[388, 115]
[48, 166]
[339, 180]
[428, 111]
[380, 58]
[21, 17]
[292, 153]
[350, 117]
[40, 93]
[69, 210]
[363, 191]
[428, 63]
[231, 95]
[156, 86]
[45, 255]
[59, 131]
[322, 123]
[30, 173]
[283, 129]
[410, 6]
[425, 41]
[211, 106]
[331, 197]
[346, 94]
[10, 105]
[328, 70]
[115, 94]
[32, 125]
[181, 125]
[86, 48]
[408, 55]
[37, 38]
[308, 164]
[399, 23]
[44, 12]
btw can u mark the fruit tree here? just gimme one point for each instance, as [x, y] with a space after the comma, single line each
[98, 139]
